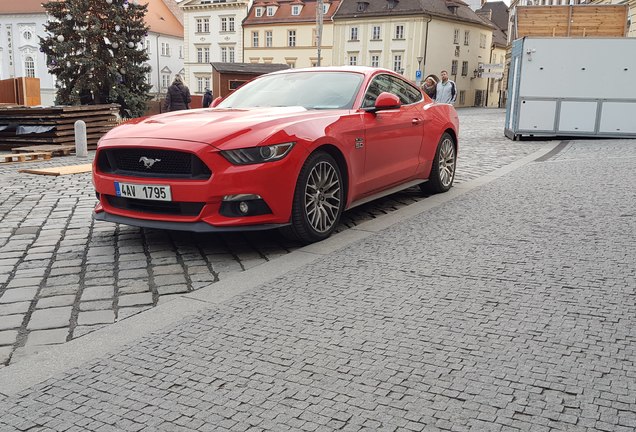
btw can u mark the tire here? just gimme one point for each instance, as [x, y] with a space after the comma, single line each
[443, 169]
[318, 199]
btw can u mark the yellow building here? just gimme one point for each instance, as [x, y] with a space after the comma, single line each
[285, 31]
[409, 35]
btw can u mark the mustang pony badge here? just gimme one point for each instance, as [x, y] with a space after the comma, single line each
[148, 163]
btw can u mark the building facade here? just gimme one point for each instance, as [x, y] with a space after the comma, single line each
[286, 32]
[22, 24]
[408, 36]
[213, 33]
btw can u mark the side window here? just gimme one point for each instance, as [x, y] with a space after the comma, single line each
[405, 91]
[388, 83]
[380, 83]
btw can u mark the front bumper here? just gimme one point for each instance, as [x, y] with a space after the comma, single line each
[274, 181]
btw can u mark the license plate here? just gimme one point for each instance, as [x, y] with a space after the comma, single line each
[141, 191]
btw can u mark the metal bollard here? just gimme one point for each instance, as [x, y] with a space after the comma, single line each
[81, 143]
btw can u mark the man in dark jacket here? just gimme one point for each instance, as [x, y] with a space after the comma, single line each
[178, 97]
[207, 98]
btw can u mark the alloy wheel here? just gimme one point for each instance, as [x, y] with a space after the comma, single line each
[446, 162]
[323, 193]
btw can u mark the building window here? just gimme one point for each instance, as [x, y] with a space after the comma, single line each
[231, 56]
[454, 67]
[354, 34]
[325, 8]
[456, 37]
[353, 60]
[27, 35]
[482, 40]
[202, 84]
[492, 85]
[291, 38]
[203, 25]
[397, 63]
[296, 9]
[466, 37]
[165, 80]
[376, 33]
[258, 12]
[255, 39]
[268, 38]
[223, 54]
[271, 10]
[399, 32]
[464, 68]
[180, 51]
[462, 97]
[165, 49]
[29, 67]
[227, 24]
[203, 55]
[375, 60]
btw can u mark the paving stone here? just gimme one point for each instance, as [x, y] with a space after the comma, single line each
[96, 317]
[8, 322]
[47, 337]
[55, 301]
[8, 337]
[96, 305]
[126, 312]
[18, 295]
[50, 318]
[20, 282]
[82, 330]
[58, 291]
[133, 286]
[14, 308]
[5, 354]
[135, 299]
[172, 289]
[97, 293]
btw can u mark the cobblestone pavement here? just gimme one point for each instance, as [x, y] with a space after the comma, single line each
[509, 308]
[62, 275]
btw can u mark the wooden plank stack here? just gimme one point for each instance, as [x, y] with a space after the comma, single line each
[57, 124]
[572, 21]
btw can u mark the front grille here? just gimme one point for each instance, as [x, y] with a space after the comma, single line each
[156, 207]
[153, 163]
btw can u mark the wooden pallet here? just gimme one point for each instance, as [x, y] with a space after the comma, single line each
[57, 150]
[58, 171]
[25, 157]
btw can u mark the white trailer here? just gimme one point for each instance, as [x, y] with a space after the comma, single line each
[572, 87]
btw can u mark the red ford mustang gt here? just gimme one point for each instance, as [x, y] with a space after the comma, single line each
[290, 149]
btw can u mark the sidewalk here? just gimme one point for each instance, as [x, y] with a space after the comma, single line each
[506, 305]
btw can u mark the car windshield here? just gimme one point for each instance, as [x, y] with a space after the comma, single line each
[310, 89]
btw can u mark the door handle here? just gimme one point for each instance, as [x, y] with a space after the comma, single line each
[416, 121]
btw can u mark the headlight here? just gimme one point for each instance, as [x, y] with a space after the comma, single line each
[254, 155]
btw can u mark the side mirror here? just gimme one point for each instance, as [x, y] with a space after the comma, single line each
[216, 101]
[385, 101]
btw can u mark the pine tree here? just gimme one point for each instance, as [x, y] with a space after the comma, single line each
[95, 49]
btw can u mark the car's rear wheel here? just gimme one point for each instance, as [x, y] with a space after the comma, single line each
[443, 169]
[318, 199]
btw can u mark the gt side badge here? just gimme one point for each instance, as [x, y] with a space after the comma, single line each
[359, 143]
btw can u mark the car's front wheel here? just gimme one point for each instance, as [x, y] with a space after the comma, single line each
[318, 199]
[443, 169]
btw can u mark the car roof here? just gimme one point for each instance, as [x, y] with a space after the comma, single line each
[366, 70]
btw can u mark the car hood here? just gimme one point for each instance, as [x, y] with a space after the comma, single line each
[218, 127]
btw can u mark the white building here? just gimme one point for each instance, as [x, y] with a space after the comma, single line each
[22, 24]
[213, 33]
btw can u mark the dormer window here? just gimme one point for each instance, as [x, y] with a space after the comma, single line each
[271, 10]
[362, 6]
[392, 3]
[258, 12]
[295, 10]
[325, 8]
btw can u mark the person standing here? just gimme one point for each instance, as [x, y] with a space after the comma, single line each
[178, 97]
[207, 98]
[446, 90]
[429, 86]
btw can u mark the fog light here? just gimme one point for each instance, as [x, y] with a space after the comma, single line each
[244, 207]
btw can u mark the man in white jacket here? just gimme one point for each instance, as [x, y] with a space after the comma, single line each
[446, 90]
